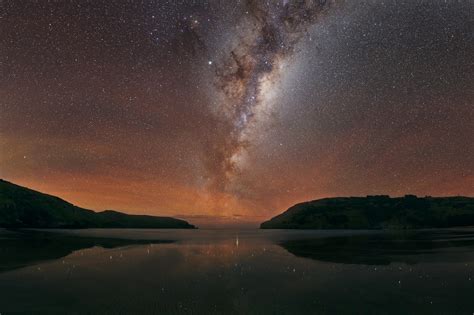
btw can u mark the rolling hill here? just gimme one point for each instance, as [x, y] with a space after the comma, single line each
[376, 212]
[21, 207]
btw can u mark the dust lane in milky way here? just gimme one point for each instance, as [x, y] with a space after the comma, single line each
[231, 111]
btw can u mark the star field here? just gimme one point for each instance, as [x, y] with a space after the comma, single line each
[232, 111]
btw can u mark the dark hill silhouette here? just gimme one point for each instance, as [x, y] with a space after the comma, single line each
[21, 207]
[377, 212]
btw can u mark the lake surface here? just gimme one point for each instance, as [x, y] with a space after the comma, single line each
[236, 272]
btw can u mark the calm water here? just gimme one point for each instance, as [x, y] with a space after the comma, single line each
[236, 272]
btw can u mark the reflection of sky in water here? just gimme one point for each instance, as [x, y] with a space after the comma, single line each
[242, 272]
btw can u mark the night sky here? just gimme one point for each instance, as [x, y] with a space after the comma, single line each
[226, 112]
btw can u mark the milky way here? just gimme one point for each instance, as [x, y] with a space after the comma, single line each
[274, 31]
[232, 111]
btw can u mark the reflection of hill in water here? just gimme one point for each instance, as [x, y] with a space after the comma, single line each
[25, 248]
[384, 248]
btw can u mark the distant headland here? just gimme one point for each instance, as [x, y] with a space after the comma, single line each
[377, 212]
[21, 207]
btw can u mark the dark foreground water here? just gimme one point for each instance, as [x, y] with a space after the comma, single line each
[236, 272]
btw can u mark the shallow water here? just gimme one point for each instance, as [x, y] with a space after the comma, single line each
[237, 272]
